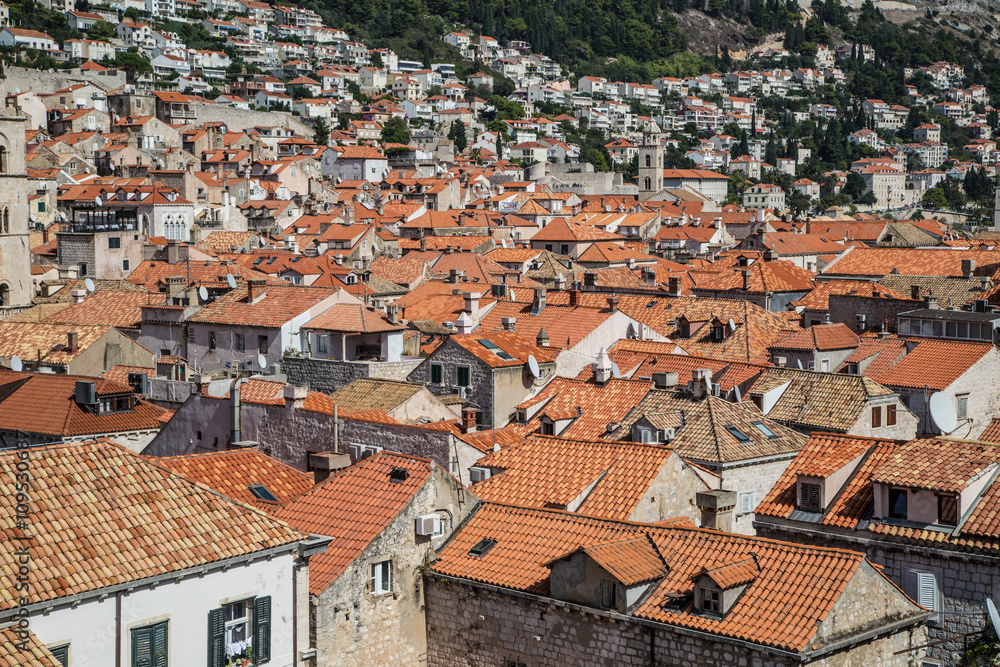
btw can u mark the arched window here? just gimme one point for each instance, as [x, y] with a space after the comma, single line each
[649, 160]
[3, 159]
[4, 295]
[649, 184]
[6, 221]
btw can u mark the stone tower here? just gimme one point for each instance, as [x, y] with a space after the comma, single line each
[650, 162]
[15, 257]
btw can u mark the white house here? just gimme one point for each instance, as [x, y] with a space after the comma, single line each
[27, 39]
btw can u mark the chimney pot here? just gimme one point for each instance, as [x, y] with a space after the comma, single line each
[72, 341]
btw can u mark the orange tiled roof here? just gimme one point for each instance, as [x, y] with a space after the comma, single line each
[526, 540]
[632, 560]
[878, 262]
[353, 506]
[122, 310]
[880, 354]
[514, 345]
[777, 276]
[232, 472]
[836, 336]
[49, 342]
[992, 431]
[27, 651]
[279, 304]
[599, 404]
[819, 297]
[119, 373]
[162, 523]
[735, 574]
[547, 471]
[933, 363]
[935, 464]
[352, 318]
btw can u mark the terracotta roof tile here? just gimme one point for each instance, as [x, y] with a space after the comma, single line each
[934, 363]
[374, 394]
[778, 276]
[880, 262]
[820, 337]
[24, 652]
[735, 574]
[353, 506]
[819, 297]
[232, 472]
[939, 465]
[631, 560]
[279, 305]
[599, 404]
[352, 318]
[514, 345]
[131, 520]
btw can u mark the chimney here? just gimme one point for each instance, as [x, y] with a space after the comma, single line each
[931, 302]
[392, 310]
[469, 419]
[746, 279]
[453, 276]
[701, 382]
[508, 323]
[423, 244]
[78, 295]
[560, 282]
[538, 305]
[601, 367]
[984, 284]
[649, 276]
[613, 303]
[717, 223]
[716, 509]
[175, 286]
[674, 286]
[295, 397]
[968, 267]
[665, 380]
[255, 290]
[472, 303]
[574, 297]
[450, 249]
[542, 339]
[72, 341]
[914, 291]
[338, 259]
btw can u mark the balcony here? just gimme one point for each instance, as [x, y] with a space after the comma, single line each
[92, 221]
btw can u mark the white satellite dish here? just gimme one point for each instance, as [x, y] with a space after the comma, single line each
[503, 242]
[732, 325]
[943, 413]
[15, 364]
[98, 200]
[994, 616]
[231, 281]
[738, 396]
[261, 361]
[203, 293]
[32, 217]
[615, 371]
[89, 284]
[799, 362]
[533, 366]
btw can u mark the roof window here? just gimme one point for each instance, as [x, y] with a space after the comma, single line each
[760, 426]
[492, 347]
[482, 547]
[261, 492]
[738, 434]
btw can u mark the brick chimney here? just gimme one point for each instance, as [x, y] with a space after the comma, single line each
[469, 419]
[175, 286]
[716, 509]
[674, 286]
[73, 341]
[255, 290]
[574, 297]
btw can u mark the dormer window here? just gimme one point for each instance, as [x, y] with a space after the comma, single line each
[810, 497]
[947, 509]
[609, 594]
[897, 503]
[711, 600]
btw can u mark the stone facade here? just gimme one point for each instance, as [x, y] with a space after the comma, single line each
[355, 627]
[845, 308]
[479, 626]
[329, 375]
[15, 257]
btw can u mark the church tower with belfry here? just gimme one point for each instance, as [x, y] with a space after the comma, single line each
[650, 162]
[15, 255]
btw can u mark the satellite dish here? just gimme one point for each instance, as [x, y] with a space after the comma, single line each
[738, 396]
[231, 281]
[533, 366]
[89, 284]
[262, 361]
[15, 364]
[615, 371]
[32, 217]
[98, 200]
[732, 325]
[943, 413]
[203, 293]
[503, 242]
[799, 362]
[994, 616]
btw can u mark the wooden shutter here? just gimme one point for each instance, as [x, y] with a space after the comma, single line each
[217, 637]
[142, 647]
[877, 416]
[159, 640]
[890, 415]
[262, 629]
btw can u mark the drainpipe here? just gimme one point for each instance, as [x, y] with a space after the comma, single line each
[118, 629]
[234, 405]
[336, 431]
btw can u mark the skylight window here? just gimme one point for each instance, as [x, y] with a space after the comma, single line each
[765, 430]
[489, 345]
[738, 434]
[482, 547]
[261, 492]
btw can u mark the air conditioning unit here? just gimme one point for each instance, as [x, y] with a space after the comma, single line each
[861, 317]
[428, 525]
[477, 475]
[359, 452]
[667, 434]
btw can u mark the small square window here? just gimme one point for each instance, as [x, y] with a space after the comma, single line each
[890, 415]
[877, 416]
[381, 581]
[810, 497]
[710, 600]
[948, 510]
[237, 615]
[897, 503]
[962, 406]
[125, 265]
[462, 376]
[114, 242]
[609, 594]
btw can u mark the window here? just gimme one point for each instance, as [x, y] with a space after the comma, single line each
[760, 426]
[710, 600]
[747, 504]
[482, 547]
[381, 581]
[738, 434]
[261, 492]
[948, 510]
[825, 365]
[810, 498]
[322, 343]
[149, 646]
[962, 406]
[897, 503]
[548, 428]
[125, 265]
[922, 586]
[890, 415]
[83, 268]
[609, 594]
[262, 344]
[61, 653]
[211, 340]
[437, 373]
[877, 416]
[239, 342]
[114, 242]
[239, 629]
[564, 249]
[462, 376]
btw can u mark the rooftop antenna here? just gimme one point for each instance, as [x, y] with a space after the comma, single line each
[943, 413]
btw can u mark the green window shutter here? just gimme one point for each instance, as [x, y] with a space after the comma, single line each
[142, 647]
[61, 653]
[160, 644]
[436, 373]
[262, 629]
[217, 637]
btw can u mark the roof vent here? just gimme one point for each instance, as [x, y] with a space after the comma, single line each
[86, 392]
[482, 547]
[398, 475]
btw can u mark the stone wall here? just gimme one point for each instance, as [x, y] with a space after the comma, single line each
[239, 120]
[329, 375]
[479, 626]
[77, 249]
[22, 79]
[845, 308]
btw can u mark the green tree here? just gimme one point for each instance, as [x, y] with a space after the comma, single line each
[868, 199]
[855, 185]
[101, 31]
[396, 131]
[133, 63]
[934, 198]
[457, 134]
[321, 132]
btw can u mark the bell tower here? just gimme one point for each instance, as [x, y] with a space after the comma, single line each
[650, 162]
[15, 257]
